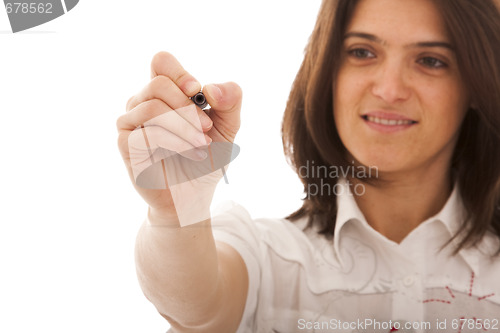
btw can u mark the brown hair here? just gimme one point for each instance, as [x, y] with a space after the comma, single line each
[309, 132]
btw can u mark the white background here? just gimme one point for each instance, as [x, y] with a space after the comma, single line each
[68, 212]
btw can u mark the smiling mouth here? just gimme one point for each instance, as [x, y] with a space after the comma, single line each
[388, 122]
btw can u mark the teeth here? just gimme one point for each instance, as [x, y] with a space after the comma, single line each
[389, 122]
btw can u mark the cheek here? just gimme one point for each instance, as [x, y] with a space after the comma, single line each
[346, 96]
[447, 109]
[342, 117]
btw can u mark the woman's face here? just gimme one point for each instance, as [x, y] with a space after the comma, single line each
[400, 99]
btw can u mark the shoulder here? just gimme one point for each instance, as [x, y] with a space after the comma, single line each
[272, 242]
[232, 218]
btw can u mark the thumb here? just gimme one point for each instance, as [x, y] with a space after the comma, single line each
[225, 106]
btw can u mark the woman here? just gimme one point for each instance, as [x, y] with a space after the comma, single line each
[395, 117]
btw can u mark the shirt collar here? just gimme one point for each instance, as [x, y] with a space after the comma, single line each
[451, 216]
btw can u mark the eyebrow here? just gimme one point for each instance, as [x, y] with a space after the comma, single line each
[381, 41]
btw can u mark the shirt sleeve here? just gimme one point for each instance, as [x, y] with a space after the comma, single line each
[232, 224]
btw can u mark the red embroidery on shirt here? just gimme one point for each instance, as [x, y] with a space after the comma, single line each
[471, 283]
[463, 318]
[485, 296]
[436, 300]
[449, 290]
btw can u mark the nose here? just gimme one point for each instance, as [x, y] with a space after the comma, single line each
[391, 82]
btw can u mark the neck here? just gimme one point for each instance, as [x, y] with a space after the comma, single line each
[394, 205]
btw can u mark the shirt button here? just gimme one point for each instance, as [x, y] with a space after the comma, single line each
[408, 280]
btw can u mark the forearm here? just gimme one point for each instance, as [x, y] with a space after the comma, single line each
[178, 271]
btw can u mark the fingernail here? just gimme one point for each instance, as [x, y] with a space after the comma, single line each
[201, 140]
[214, 91]
[201, 154]
[206, 122]
[192, 87]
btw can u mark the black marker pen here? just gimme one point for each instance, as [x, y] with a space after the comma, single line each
[200, 100]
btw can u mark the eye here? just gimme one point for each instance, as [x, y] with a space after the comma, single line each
[361, 53]
[432, 63]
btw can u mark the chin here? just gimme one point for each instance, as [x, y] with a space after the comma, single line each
[383, 162]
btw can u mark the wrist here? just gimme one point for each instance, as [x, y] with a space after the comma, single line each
[162, 218]
[174, 219]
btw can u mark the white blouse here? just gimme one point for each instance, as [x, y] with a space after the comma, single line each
[360, 281]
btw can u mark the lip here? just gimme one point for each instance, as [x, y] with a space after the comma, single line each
[387, 122]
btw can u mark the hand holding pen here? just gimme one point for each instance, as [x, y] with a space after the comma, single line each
[163, 118]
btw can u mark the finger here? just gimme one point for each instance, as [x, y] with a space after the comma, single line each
[225, 97]
[150, 145]
[166, 64]
[225, 102]
[157, 113]
[142, 113]
[144, 142]
[176, 124]
[163, 88]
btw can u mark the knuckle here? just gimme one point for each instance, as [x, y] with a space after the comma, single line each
[159, 84]
[146, 110]
[187, 103]
[129, 104]
[120, 122]
[237, 89]
[153, 108]
[155, 104]
[184, 76]
[161, 58]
